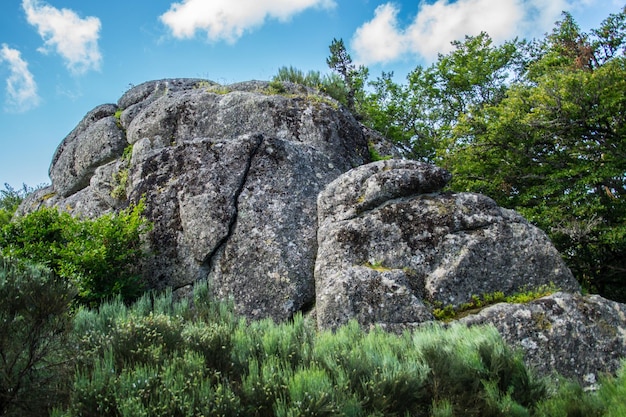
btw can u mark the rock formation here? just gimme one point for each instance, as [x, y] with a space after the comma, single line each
[391, 247]
[268, 192]
[580, 337]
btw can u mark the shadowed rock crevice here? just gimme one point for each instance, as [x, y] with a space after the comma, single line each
[209, 261]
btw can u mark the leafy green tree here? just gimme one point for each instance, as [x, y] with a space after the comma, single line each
[421, 115]
[100, 257]
[555, 150]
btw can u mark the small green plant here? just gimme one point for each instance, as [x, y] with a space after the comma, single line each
[376, 265]
[374, 155]
[120, 178]
[449, 312]
[277, 87]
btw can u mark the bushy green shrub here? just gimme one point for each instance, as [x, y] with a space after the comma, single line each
[100, 257]
[35, 365]
[159, 357]
[570, 400]
[10, 199]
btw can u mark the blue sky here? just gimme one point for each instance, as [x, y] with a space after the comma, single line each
[61, 58]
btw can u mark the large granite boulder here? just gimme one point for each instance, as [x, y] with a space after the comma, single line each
[230, 177]
[265, 190]
[392, 248]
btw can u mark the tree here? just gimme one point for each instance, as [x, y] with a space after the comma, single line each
[354, 78]
[554, 149]
[421, 115]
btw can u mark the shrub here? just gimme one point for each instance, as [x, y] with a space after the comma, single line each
[100, 257]
[159, 357]
[570, 400]
[613, 393]
[34, 324]
[10, 199]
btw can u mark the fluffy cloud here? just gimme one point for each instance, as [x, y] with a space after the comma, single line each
[65, 33]
[443, 21]
[380, 39]
[229, 19]
[21, 86]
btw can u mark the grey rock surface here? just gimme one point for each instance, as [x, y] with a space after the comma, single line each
[442, 248]
[579, 337]
[95, 141]
[317, 121]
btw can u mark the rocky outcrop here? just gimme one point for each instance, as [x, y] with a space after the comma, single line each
[391, 247]
[230, 176]
[95, 141]
[265, 189]
[579, 337]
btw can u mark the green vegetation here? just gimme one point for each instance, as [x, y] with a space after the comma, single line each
[375, 155]
[99, 257]
[34, 326]
[329, 84]
[10, 199]
[120, 178]
[450, 312]
[195, 357]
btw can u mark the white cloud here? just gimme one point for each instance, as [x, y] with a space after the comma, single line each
[439, 23]
[228, 19]
[67, 34]
[380, 39]
[21, 86]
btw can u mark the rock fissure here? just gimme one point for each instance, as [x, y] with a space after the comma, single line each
[209, 261]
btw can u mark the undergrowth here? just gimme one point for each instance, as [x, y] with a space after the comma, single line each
[192, 358]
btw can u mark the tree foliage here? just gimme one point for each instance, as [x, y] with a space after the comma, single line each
[354, 78]
[10, 199]
[100, 257]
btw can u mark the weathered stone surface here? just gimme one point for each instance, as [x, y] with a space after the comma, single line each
[580, 337]
[43, 197]
[95, 141]
[137, 98]
[191, 192]
[368, 186]
[441, 247]
[202, 113]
